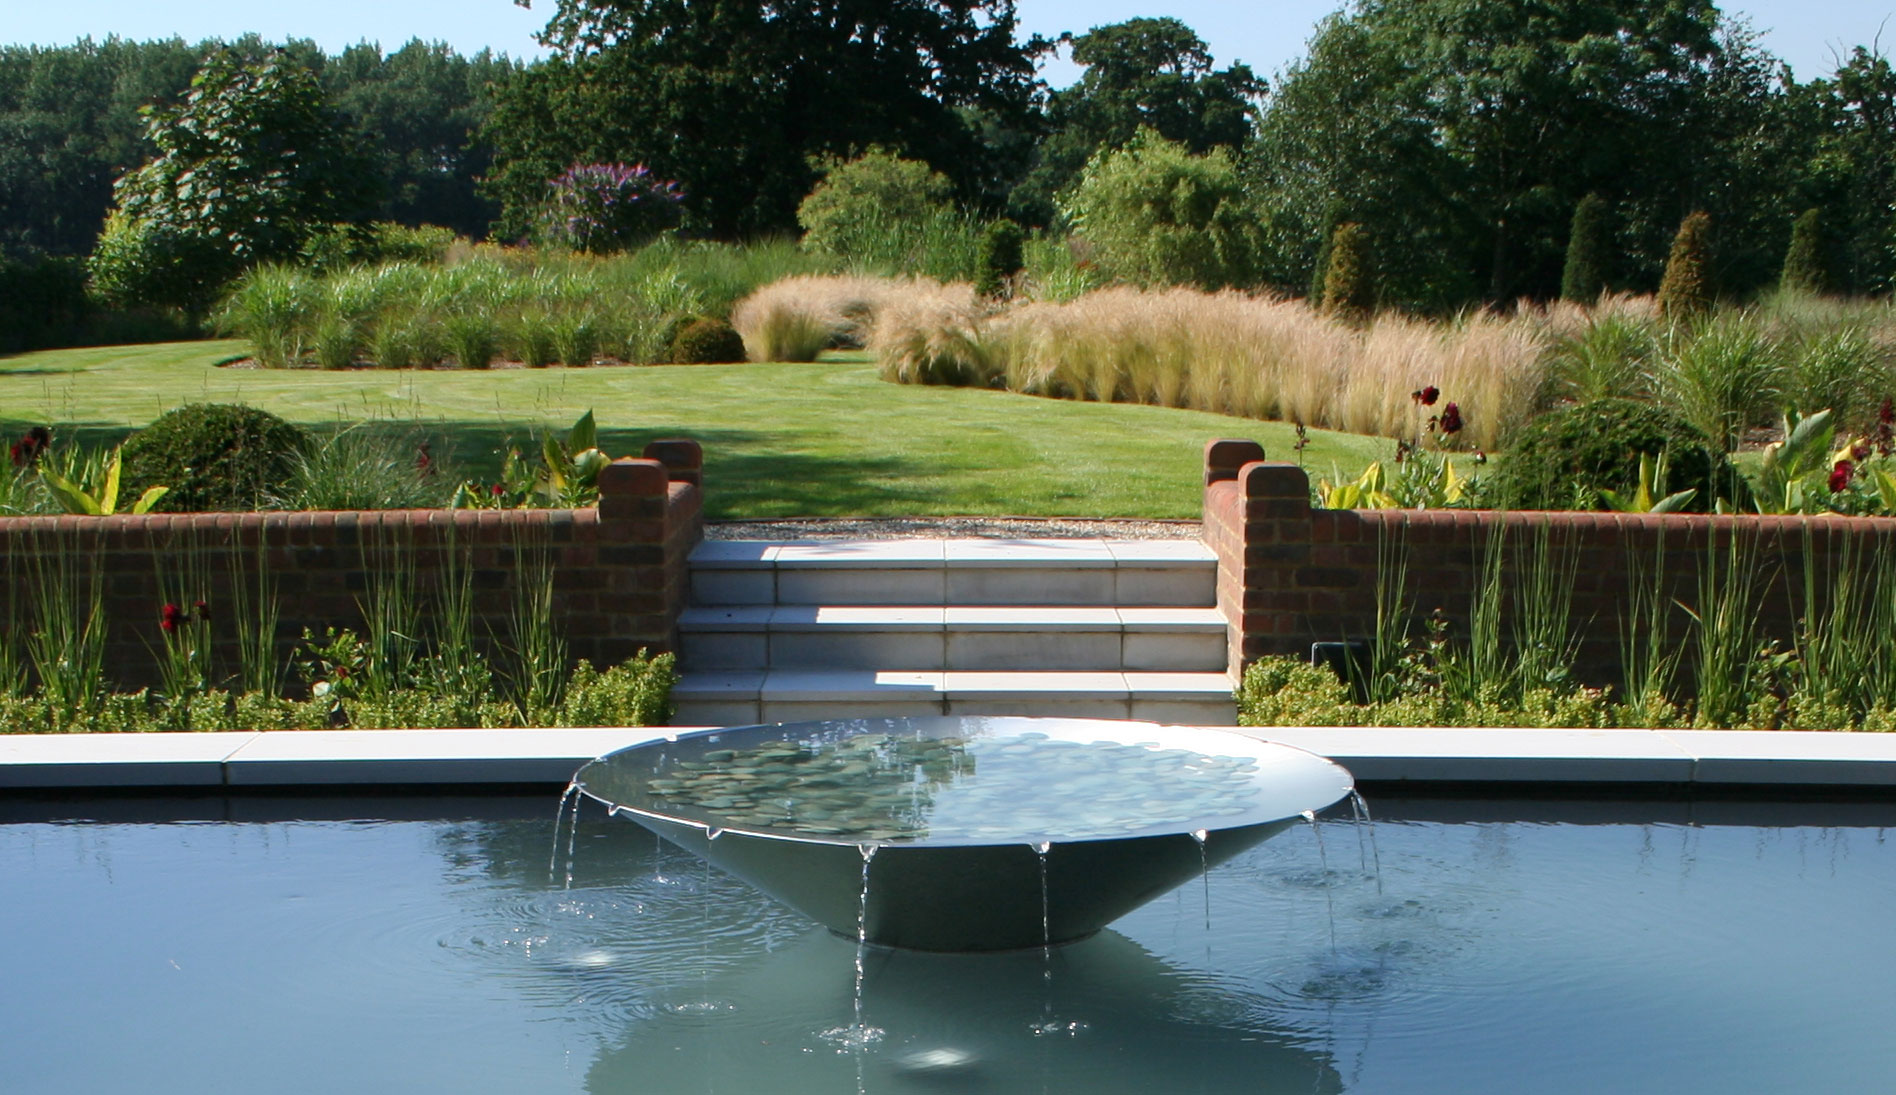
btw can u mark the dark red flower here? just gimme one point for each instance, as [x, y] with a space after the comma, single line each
[31, 446]
[342, 672]
[170, 618]
[1451, 419]
[498, 490]
[1480, 457]
[1427, 396]
[424, 461]
[17, 454]
[1840, 476]
[1886, 428]
[203, 610]
[1860, 451]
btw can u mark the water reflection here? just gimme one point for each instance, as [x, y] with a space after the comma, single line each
[1111, 1018]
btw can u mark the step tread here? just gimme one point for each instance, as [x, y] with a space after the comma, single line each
[937, 554]
[793, 618]
[844, 684]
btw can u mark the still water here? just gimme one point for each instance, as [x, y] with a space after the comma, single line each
[1505, 947]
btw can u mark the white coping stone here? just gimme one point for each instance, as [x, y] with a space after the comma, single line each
[1482, 755]
[533, 756]
[117, 760]
[734, 554]
[426, 756]
[1789, 756]
[1032, 618]
[882, 554]
[1027, 553]
[1165, 618]
[856, 617]
[1160, 552]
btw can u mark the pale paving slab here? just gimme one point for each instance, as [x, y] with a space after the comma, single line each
[426, 756]
[1171, 619]
[1499, 755]
[734, 554]
[117, 760]
[856, 617]
[1159, 552]
[1789, 756]
[894, 554]
[1027, 553]
[1031, 618]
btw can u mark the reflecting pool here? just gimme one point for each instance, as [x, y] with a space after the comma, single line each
[423, 945]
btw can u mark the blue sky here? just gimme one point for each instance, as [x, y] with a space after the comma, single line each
[1265, 35]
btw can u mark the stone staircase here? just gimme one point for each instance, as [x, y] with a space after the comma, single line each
[779, 632]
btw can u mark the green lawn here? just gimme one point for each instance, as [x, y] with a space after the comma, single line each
[780, 440]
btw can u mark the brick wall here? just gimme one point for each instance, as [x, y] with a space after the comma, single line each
[1290, 575]
[619, 569]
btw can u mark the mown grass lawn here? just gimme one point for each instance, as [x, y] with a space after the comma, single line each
[780, 440]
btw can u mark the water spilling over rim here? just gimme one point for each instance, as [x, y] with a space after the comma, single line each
[963, 781]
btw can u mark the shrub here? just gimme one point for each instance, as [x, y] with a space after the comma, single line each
[43, 303]
[707, 342]
[1686, 289]
[1157, 215]
[1589, 245]
[213, 456]
[604, 207]
[1596, 446]
[636, 692]
[858, 202]
[362, 467]
[1000, 259]
[1806, 269]
[1349, 289]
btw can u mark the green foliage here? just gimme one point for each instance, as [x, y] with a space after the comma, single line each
[332, 248]
[1806, 263]
[1842, 369]
[1349, 286]
[214, 457]
[1000, 259]
[636, 692]
[738, 100]
[1686, 289]
[364, 466]
[1142, 73]
[98, 498]
[1610, 358]
[1723, 375]
[248, 165]
[706, 341]
[1156, 214]
[858, 199]
[1598, 446]
[1589, 251]
[43, 303]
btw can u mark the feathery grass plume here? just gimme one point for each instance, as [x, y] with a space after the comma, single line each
[797, 318]
[1349, 287]
[1723, 375]
[1806, 263]
[473, 338]
[938, 336]
[1686, 290]
[1839, 369]
[528, 335]
[1589, 245]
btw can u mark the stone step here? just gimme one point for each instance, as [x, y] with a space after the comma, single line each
[743, 697]
[952, 638]
[954, 572]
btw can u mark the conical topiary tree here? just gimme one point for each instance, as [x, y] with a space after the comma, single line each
[1320, 269]
[1805, 267]
[1588, 243]
[1349, 288]
[998, 259]
[1686, 290]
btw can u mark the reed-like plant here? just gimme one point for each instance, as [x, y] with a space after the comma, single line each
[255, 611]
[1545, 644]
[1648, 658]
[529, 337]
[66, 643]
[540, 667]
[391, 612]
[272, 306]
[473, 338]
[183, 620]
[1723, 375]
[1724, 666]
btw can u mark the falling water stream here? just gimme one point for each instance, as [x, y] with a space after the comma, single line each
[1323, 864]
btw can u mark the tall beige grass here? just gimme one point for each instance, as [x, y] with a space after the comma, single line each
[799, 317]
[1229, 353]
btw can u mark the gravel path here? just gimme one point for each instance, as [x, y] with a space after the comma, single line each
[999, 528]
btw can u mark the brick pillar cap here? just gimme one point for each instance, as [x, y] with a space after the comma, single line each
[676, 453]
[632, 476]
[1225, 455]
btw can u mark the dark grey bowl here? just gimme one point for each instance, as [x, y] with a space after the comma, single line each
[945, 895]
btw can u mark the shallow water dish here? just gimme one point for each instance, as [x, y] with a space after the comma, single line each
[965, 834]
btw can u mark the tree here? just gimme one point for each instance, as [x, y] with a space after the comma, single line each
[1349, 288]
[1686, 289]
[737, 98]
[1589, 243]
[1851, 167]
[1806, 266]
[1157, 215]
[1462, 132]
[1142, 73]
[248, 165]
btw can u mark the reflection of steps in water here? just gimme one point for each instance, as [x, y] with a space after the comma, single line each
[1129, 1023]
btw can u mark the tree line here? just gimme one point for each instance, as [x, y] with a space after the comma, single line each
[1464, 143]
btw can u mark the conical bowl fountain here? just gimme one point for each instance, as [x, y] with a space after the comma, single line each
[965, 834]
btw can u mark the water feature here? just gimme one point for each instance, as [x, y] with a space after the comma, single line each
[1696, 948]
[995, 833]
